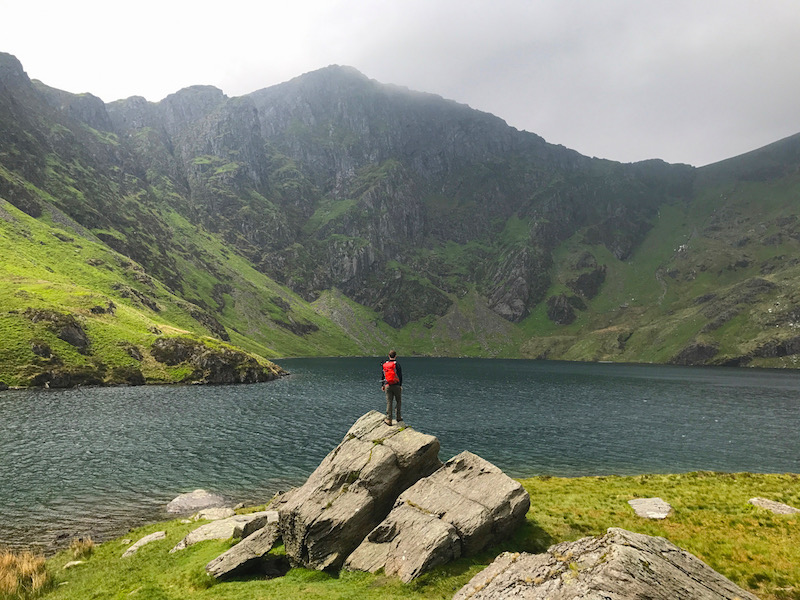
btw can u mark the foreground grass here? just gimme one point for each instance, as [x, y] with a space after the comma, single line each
[22, 575]
[712, 519]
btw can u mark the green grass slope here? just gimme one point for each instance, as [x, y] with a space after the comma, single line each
[715, 281]
[73, 311]
[711, 518]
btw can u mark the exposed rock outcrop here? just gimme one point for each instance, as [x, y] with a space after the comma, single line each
[435, 513]
[619, 565]
[153, 537]
[467, 505]
[561, 308]
[64, 325]
[212, 364]
[222, 529]
[588, 284]
[695, 353]
[248, 555]
[353, 489]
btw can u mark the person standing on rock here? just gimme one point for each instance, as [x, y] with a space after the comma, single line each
[392, 384]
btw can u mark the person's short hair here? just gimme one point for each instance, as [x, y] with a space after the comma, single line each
[392, 354]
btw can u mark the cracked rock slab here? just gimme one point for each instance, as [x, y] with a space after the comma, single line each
[620, 565]
[158, 535]
[464, 507]
[248, 555]
[352, 490]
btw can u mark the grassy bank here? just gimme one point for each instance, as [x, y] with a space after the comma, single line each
[712, 519]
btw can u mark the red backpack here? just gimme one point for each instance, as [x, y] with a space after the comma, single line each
[390, 372]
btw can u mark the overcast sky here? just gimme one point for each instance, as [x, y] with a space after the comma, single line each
[692, 81]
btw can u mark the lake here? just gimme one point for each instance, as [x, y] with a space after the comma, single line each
[100, 460]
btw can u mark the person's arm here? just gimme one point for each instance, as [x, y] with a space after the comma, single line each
[399, 373]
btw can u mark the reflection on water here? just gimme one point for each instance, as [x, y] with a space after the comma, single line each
[97, 461]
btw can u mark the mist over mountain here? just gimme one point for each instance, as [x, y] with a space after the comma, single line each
[333, 214]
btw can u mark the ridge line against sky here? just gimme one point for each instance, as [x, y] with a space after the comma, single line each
[627, 80]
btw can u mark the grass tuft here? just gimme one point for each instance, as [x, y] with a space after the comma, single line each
[22, 575]
[82, 547]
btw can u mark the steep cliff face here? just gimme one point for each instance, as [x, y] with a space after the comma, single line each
[419, 208]
[407, 170]
[334, 180]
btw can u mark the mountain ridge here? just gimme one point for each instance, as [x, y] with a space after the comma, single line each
[404, 210]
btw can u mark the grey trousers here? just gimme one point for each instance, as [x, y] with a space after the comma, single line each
[393, 392]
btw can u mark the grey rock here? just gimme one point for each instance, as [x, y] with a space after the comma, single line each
[247, 555]
[406, 544]
[620, 565]
[216, 530]
[464, 507]
[214, 514]
[257, 520]
[158, 535]
[74, 563]
[353, 489]
[777, 508]
[192, 502]
[650, 508]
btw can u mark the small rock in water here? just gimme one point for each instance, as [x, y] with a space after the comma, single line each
[777, 508]
[650, 508]
[194, 501]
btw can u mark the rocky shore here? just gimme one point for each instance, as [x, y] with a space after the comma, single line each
[382, 500]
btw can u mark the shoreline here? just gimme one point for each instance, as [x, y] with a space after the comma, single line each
[60, 538]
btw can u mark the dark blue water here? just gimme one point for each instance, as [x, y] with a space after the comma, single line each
[97, 461]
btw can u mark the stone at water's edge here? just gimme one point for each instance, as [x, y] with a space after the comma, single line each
[464, 507]
[191, 502]
[620, 565]
[353, 489]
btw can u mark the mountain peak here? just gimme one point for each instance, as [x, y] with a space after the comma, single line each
[12, 75]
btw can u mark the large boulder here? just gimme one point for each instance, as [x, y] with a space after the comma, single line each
[461, 509]
[191, 502]
[620, 565]
[249, 555]
[353, 489]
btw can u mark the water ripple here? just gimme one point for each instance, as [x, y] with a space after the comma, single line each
[98, 461]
